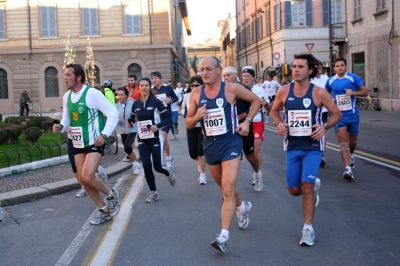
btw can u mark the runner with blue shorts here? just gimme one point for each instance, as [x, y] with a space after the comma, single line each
[213, 104]
[344, 87]
[304, 135]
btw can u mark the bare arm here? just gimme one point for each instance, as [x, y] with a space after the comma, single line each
[282, 128]
[361, 92]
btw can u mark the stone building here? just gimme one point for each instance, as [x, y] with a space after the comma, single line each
[128, 36]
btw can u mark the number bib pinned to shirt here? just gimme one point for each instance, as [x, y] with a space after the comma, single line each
[300, 123]
[215, 122]
[144, 132]
[343, 102]
[162, 97]
[77, 137]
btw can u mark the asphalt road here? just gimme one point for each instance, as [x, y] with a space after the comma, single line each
[355, 223]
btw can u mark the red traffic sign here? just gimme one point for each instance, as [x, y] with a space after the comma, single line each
[277, 56]
[309, 46]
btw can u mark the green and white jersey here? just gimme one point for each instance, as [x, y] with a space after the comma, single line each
[86, 123]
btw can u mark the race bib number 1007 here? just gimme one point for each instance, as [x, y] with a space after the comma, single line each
[214, 122]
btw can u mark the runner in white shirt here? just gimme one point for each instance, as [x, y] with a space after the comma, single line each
[175, 109]
[270, 86]
[320, 81]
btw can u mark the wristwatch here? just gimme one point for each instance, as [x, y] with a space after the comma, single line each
[104, 136]
[326, 126]
[249, 119]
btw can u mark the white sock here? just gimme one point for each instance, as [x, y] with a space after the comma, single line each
[241, 208]
[169, 157]
[111, 194]
[351, 155]
[348, 168]
[308, 226]
[225, 234]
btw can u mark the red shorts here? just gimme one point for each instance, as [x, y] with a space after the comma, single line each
[258, 130]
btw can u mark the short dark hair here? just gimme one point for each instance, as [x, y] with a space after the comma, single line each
[132, 76]
[340, 59]
[217, 62]
[78, 71]
[193, 79]
[123, 89]
[311, 63]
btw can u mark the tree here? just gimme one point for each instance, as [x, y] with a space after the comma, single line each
[89, 65]
[69, 55]
[194, 64]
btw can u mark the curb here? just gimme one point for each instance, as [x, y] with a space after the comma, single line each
[33, 165]
[34, 193]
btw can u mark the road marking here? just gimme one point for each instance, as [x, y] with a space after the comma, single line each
[360, 154]
[109, 245]
[76, 244]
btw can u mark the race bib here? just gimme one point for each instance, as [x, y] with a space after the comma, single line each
[214, 122]
[144, 132]
[77, 137]
[299, 123]
[162, 97]
[343, 102]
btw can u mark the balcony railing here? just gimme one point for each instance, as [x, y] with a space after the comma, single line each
[339, 31]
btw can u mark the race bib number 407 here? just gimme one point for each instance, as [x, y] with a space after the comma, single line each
[299, 122]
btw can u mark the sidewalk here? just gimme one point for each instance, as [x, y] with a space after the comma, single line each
[59, 178]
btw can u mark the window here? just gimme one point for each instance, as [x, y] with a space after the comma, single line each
[2, 23]
[277, 17]
[97, 74]
[48, 21]
[248, 35]
[253, 31]
[132, 18]
[267, 22]
[298, 13]
[89, 20]
[380, 5]
[336, 11]
[259, 27]
[357, 9]
[135, 69]
[51, 82]
[3, 84]
[359, 64]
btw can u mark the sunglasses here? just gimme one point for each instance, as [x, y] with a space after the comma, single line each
[195, 85]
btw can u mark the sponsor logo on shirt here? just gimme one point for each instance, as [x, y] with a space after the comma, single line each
[203, 101]
[150, 108]
[290, 99]
[311, 177]
[234, 153]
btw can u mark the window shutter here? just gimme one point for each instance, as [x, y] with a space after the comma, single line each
[309, 13]
[44, 20]
[90, 20]
[2, 24]
[325, 12]
[277, 18]
[86, 21]
[288, 14]
[93, 21]
[178, 34]
[132, 18]
[267, 22]
[52, 21]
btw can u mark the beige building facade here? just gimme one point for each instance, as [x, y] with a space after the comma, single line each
[128, 36]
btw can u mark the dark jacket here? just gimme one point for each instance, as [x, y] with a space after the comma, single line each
[24, 99]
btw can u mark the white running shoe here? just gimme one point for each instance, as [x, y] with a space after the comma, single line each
[316, 189]
[307, 238]
[202, 179]
[101, 217]
[258, 182]
[153, 196]
[243, 217]
[81, 193]
[113, 202]
[220, 243]
[137, 167]
[348, 175]
[171, 178]
[102, 173]
[173, 137]
[170, 163]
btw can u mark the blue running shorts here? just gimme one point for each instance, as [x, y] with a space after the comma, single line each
[302, 166]
[351, 122]
[219, 151]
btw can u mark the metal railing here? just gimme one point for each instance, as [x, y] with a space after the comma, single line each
[339, 31]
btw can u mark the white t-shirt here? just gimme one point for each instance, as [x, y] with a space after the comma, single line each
[271, 87]
[321, 82]
[178, 93]
[257, 90]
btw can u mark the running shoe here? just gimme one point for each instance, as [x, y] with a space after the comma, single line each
[153, 196]
[170, 163]
[258, 182]
[81, 193]
[348, 175]
[173, 137]
[307, 238]
[243, 217]
[101, 217]
[2, 214]
[171, 178]
[113, 202]
[176, 130]
[323, 162]
[220, 243]
[352, 162]
[316, 189]
[137, 167]
[202, 179]
[102, 173]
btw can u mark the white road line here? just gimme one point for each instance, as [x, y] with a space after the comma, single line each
[358, 156]
[106, 251]
[76, 244]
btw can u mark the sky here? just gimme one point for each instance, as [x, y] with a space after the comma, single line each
[204, 16]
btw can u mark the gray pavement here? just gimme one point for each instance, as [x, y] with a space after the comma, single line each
[56, 179]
